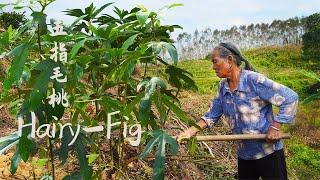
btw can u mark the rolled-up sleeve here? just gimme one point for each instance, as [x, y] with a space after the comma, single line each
[277, 94]
[215, 111]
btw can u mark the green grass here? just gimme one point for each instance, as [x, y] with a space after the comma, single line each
[284, 65]
[203, 75]
[303, 162]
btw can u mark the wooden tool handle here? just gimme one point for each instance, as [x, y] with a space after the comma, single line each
[237, 137]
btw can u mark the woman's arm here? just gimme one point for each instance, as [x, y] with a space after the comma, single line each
[277, 94]
[208, 119]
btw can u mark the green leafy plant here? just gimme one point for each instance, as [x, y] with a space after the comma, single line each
[316, 95]
[160, 139]
[310, 40]
[105, 52]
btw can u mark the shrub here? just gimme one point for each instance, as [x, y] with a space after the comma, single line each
[13, 18]
[311, 39]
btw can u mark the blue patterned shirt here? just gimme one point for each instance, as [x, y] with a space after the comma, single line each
[248, 110]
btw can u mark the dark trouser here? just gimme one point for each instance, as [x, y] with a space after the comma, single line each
[271, 167]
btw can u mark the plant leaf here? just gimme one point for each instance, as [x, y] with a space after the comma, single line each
[100, 9]
[40, 85]
[153, 83]
[172, 51]
[64, 148]
[160, 106]
[46, 177]
[174, 5]
[177, 75]
[40, 19]
[8, 141]
[76, 21]
[142, 83]
[174, 108]
[110, 104]
[21, 30]
[26, 146]
[74, 12]
[152, 142]
[311, 98]
[85, 169]
[16, 69]
[160, 139]
[142, 17]
[144, 111]
[130, 106]
[157, 47]
[129, 42]
[92, 158]
[312, 75]
[15, 161]
[3, 5]
[85, 117]
[6, 37]
[40, 162]
[76, 48]
[158, 81]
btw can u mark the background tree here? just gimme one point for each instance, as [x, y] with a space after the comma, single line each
[13, 18]
[311, 39]
[278, 32]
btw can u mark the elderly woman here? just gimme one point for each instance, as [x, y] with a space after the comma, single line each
[245, 98]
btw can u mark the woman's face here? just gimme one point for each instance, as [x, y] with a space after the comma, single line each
[220, 65]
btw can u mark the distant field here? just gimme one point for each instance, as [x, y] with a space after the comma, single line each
[203, 74]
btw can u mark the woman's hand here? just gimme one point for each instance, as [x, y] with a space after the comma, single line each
[274, 132]
[188, 133]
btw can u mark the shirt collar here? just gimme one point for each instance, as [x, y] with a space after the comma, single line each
[241, 85]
